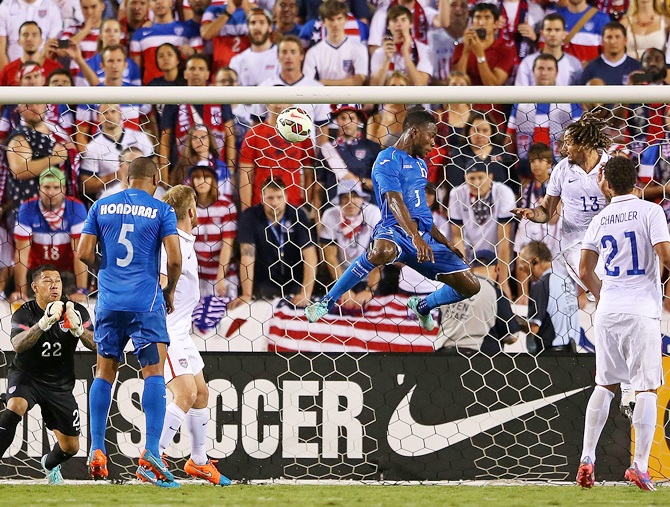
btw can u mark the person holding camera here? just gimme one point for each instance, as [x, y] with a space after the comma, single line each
[488, 61]
[400, 51]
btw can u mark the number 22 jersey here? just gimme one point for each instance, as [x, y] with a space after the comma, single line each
[130, 227]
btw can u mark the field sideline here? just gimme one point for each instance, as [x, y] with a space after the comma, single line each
[343, 495]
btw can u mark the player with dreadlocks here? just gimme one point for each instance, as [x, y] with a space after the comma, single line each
[575, 182]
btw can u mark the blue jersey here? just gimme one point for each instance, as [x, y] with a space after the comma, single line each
[130, 227]
[396, 171]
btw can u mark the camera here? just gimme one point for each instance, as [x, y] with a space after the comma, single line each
[63, 44]
[481, 33]
[641, 78]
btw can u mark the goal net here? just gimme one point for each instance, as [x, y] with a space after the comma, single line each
[364, 393]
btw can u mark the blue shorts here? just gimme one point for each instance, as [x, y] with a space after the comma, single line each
[446, 261]
[114, 328]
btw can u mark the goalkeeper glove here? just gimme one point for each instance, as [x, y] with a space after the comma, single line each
[73, 320]
[52, 313]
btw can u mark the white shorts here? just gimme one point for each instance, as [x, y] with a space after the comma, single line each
[572, 257]
[183, 358]
[628, 350]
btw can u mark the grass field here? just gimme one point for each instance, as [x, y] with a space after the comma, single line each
[330, 496]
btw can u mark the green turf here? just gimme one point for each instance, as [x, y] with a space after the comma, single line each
[331, 496]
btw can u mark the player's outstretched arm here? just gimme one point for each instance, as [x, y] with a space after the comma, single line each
[540, 214]
[587, 272]
[173, 252]
[86, 249]
[401, 214]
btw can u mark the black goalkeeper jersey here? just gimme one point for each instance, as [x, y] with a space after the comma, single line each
[51, 358]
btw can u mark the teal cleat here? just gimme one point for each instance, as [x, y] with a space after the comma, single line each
[425, 321]
[146, 475]
[315, 311]
[54, 477]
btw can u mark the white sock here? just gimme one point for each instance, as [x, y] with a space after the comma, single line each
[196, 424]
[173, 419]
[644, 422]
[596, 416]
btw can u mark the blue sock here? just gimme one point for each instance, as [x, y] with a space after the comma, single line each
[357, 271]
[153, 404]
[100, 399]
[445, 295]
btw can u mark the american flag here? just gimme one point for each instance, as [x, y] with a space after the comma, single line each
[385, 325]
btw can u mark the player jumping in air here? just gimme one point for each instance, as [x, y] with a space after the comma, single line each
[45, 333]
[130, 227]
[183, 366]
[629, 236]
[406, 232]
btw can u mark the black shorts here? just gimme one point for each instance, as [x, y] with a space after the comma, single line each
[59, 408]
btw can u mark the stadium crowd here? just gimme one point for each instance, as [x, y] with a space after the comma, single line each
[284, 219]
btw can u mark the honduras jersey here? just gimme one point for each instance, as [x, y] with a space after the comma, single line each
[396, 171]
[130, 227]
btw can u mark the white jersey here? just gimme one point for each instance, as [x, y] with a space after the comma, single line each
[13, 13]
[187, 293]
[325, 61]
[424, 63]
[569, 71]
[580, 195]
[480, 218]
[354, 237]
[624, 236]
[378, 22]
[254, 67]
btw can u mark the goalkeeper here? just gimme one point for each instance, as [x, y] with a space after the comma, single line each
[45, 333]
[406, 232]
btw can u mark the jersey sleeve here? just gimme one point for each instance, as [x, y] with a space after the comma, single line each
[78, 218]
[590, 241]
[362, 61]
[91, 224]
[386, 173]
[23, 229]
[309, 67]
[169, 117]
[20, 321]
[505, 203]
[163, 267]
[554, 185]
[455, 208]
[329, 221]
[90, 159]
[537, 303]
[169, 222]
[245, 233]
[658, 226]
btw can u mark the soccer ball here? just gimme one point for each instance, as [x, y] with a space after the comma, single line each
[294, 124]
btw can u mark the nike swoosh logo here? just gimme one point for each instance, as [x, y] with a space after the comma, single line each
[203, 474]
[572, 181]
[407, 437]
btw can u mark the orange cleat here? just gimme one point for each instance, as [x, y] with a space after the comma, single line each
[208, 472]
[586, 477]
[97, 465]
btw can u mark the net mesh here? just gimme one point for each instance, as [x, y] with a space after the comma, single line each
[230, 155]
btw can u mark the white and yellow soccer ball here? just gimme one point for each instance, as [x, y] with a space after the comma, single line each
[294, 124]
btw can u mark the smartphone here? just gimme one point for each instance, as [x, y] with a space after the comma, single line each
[641, 78]
[481, 33]
[63, 43]
[389, 35]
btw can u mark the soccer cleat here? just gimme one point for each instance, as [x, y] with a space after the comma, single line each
[97, 465]
[315, 311]
[425, 321]
[157, 466]
[641, 480]
[586, 476]
[54, 477]
[207, 472]
[146, 475]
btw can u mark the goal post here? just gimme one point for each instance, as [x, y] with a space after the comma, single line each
[364, 394]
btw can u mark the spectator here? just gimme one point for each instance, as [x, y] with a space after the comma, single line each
[121, 181]
[443, 41]
[315, 30]
[385, 126]
[345, 234]
[134, 17]
[540, 123]
[241, 112]
[47, 232]
[100, 159]
[453, 120]
[486, 60]
[422, 18]
[481, 217]
[554, 34]
[483, 150]
[135, 116]
[145, 41]
[519, 19]
[13, 13]
[215, 233]
[60, 77]
[266, 155]
[482, 323]
[168, 61]
[291, 56]
[309, 9]
[195, 12]
[285, 15]
[585, 42]
[615, 10]
[646, 27]
[177, 119]
[87, 33]
[30, 40]
[351, 155]
[553, 323]
[31, 149]
[259, 62]
[614, 65]
[541, 158]
[110, 35]
[278, 256]
[225, 25]
[338, 60]
[61, 115]
[401, 52]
